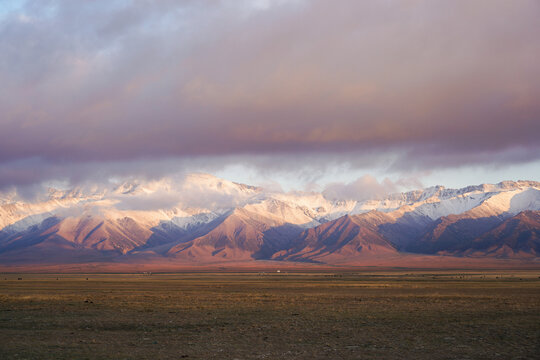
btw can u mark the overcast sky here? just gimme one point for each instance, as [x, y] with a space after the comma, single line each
[302, 93]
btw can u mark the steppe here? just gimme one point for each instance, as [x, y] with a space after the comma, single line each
[394, 314]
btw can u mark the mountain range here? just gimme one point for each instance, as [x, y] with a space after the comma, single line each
[200, 219]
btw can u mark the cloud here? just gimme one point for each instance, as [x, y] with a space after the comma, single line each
[424, 83]
[193, 191]
[159, 200]
[365, 187]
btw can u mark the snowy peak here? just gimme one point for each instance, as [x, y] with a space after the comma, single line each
[211, 182]
[125, 188]
[488, 200]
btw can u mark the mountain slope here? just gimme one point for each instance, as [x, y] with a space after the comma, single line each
[518, 236]
[347, 237]
[455, 233]
[241, 235]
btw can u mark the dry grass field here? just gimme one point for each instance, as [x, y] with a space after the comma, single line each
[392, 315]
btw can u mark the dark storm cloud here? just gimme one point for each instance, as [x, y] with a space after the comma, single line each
[433, 83]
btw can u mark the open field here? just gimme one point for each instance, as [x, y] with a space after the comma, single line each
[378, 315]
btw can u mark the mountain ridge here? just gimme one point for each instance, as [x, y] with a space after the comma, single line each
[200, 218]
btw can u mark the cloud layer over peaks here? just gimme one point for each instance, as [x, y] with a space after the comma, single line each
[434, 83]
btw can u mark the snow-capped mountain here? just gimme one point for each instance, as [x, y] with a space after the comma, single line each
[202, 218]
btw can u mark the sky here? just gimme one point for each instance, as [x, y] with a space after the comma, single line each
[305, 95]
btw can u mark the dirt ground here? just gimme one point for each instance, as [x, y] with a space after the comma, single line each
[379, 315]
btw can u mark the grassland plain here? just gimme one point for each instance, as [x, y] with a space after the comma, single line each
[350, 315]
